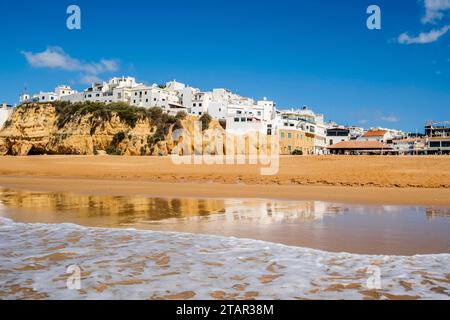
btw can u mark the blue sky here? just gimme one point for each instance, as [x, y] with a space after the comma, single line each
[316, 53]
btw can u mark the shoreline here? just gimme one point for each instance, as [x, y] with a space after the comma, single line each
[142, 188]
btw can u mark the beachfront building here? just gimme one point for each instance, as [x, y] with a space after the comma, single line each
[56, 95]
[438, 145]
[5, 113]
[378, 135]
[409, 146]
[359, 147]
[336, 134]
[310, 124]
[295, 140]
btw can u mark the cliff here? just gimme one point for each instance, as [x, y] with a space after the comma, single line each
[91, 128]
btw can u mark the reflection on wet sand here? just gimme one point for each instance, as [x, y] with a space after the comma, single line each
[320, 225]
[111, 211]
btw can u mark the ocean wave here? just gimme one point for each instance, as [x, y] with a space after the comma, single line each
[140, 264]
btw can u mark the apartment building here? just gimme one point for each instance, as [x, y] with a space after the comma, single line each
[310, 124]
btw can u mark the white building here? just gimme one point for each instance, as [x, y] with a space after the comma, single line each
[377, 135]
[115, 90]
[59, 92]
[260, 117]
[5, 113]
[336, 134]
[383, 135]
[168, 97]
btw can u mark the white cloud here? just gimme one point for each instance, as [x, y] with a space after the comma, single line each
[90, 79]
[423, 37]
[57, 58]
[389, 118]
[434, 10]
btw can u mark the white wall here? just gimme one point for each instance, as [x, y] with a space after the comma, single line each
[5, 113]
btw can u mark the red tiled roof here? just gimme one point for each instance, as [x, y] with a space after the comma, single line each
[375, 133]
[361, 145]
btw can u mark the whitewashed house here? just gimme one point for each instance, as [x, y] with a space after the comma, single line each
[168, 97]
[260, 117]
[59, 92]
[115, 90]
[5, 113]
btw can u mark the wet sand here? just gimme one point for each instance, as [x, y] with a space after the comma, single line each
[390, 180]
[131, 187]
[328, 226]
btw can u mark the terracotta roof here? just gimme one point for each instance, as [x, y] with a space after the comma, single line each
[361, 145]
[375, 133]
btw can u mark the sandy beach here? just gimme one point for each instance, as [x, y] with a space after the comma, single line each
[391, 180]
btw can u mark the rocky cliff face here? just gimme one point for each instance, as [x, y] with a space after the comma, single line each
[42, 129]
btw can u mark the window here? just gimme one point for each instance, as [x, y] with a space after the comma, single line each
[146, 100]
[435, 144]
[236, 119]
[289, 135]
[194, 104]
[282, 135]
[290, 149]
[445, 144]
[200, 104]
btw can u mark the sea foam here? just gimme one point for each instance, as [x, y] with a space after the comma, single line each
[138, 264]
